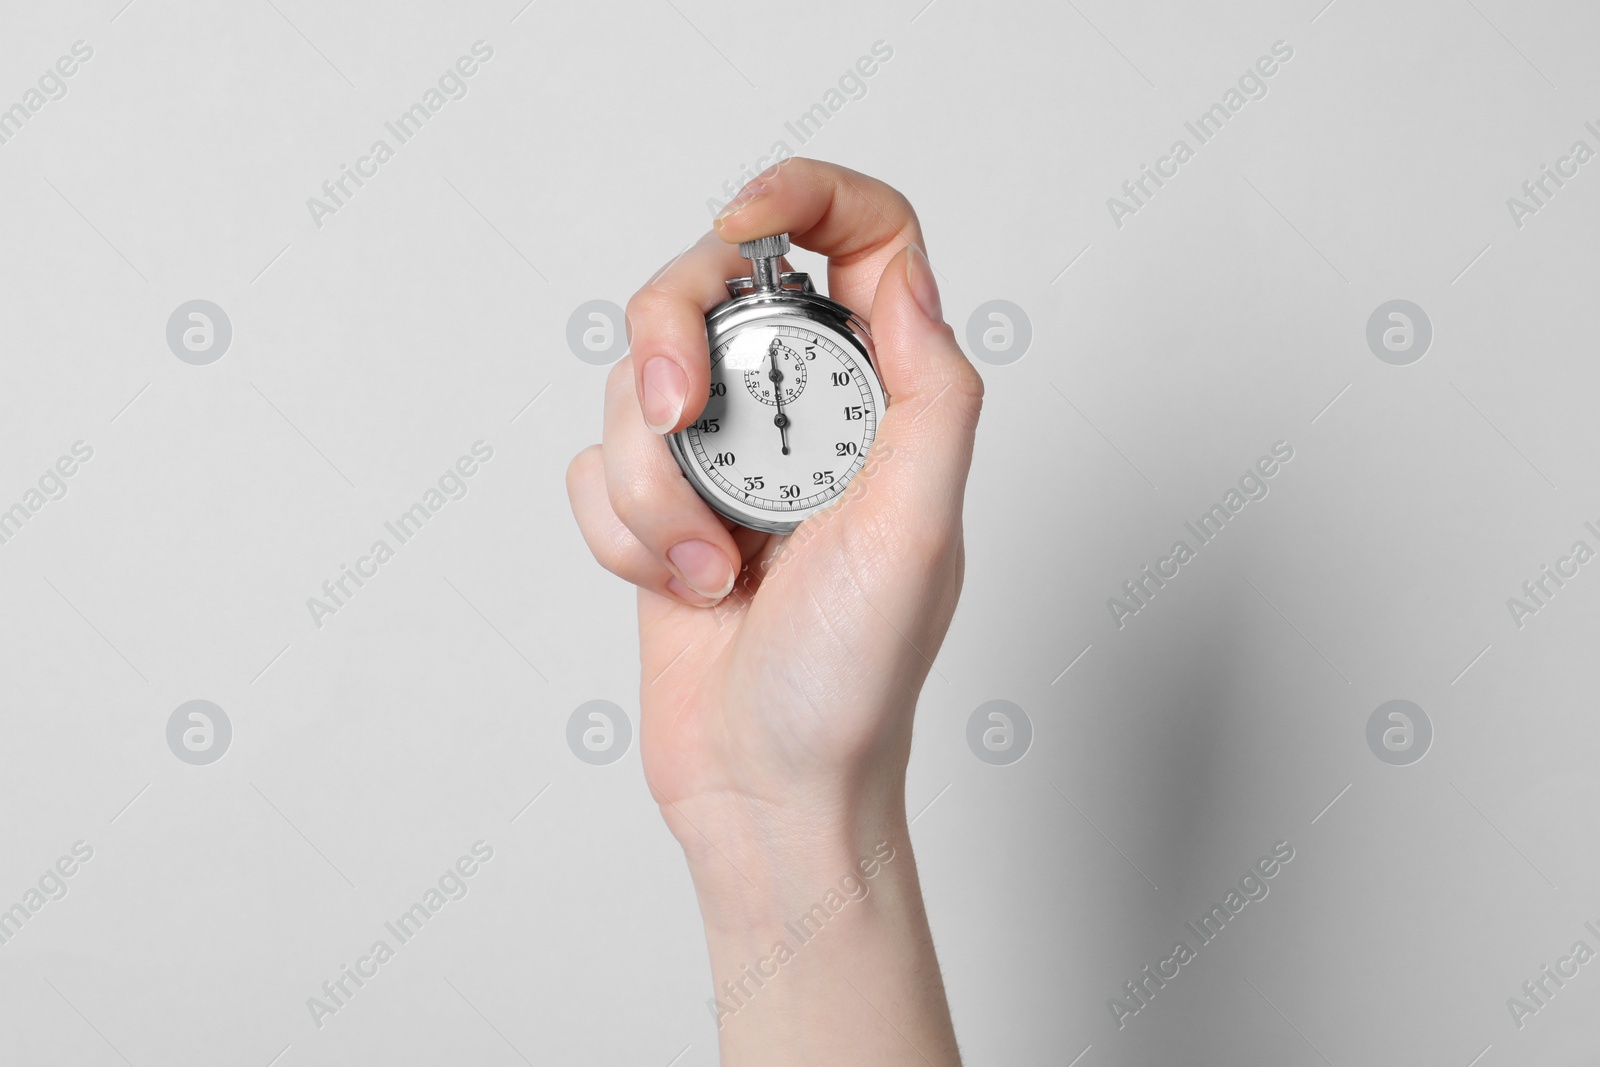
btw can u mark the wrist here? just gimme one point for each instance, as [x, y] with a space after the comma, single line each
[755, 860]
[815, 928]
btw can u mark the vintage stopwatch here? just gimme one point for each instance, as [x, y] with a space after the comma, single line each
[794, 402]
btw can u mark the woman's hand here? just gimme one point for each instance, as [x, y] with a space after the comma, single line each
[780, 674]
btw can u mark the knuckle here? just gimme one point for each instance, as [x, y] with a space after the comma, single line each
[620, 377]
[582, 468]
[632, 492]
[613, 548]
[921, 538]
[649, 306]
[968, 386]
[902, 208]
[904, 216]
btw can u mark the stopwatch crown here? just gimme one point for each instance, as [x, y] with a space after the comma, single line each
[765, 247]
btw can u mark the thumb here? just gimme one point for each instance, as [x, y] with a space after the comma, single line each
[924, 445]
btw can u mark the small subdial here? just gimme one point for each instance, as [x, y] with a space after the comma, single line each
[781, 367]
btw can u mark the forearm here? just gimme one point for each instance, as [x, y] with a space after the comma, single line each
[819, 944]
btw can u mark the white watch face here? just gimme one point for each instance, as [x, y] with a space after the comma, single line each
[793, 411]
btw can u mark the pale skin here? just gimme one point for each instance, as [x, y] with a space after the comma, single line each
[780, 675]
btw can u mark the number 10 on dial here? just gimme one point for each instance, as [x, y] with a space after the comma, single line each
[794, 402]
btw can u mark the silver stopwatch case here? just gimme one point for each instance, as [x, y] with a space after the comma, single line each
[767, 297]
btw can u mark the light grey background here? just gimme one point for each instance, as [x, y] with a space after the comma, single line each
[1168, 354]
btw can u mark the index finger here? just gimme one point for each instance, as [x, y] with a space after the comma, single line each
[858, 222]
[667, 333]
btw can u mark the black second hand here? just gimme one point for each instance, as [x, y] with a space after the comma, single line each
[780, 420]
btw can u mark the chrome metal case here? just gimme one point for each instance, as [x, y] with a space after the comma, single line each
[791, 293]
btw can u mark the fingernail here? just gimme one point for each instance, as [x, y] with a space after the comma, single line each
[665, 389]
[746, 196]
[704, 568]
[919, 275]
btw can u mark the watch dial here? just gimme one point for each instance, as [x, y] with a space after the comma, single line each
[792, 413]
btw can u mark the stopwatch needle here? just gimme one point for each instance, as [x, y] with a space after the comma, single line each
[781, 419]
